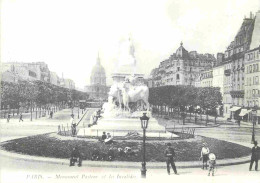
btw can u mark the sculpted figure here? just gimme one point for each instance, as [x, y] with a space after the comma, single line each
[131, 93]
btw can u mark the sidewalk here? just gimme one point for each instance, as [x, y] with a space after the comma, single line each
[172, 123]
[45, 121]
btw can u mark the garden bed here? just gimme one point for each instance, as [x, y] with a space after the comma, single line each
[49, 145]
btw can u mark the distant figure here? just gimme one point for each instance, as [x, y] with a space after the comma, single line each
[21, 117]
[204, 155]
[103, 137]
[255, 156]
[170, 154]
[94, 118]
[8, 118]
[98, 114]
[73, 125]
[212, 163]
[51, 114]
[75, 157]
[109, 139]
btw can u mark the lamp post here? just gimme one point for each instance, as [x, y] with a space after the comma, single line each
[144, 124]
[254, 110]
[78, 109]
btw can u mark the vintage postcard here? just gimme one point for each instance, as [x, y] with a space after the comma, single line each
[129, 91]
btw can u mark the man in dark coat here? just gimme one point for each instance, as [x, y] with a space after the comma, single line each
[169, 154]
[75, 157]
[254, 156]
[103, 137]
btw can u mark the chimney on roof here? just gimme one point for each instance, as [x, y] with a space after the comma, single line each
[251, 15]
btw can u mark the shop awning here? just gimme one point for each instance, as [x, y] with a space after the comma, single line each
[235, 108]
[244, 112]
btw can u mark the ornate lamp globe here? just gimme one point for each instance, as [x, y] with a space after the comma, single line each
[144, 121]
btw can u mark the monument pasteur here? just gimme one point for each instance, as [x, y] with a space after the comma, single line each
[127, 101]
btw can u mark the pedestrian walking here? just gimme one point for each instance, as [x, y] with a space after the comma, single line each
[8, 118]
[170, 154]
[255, 156]
[73, 125]
[212, 163]
[51, 114]
[21, 117]
[204, 155]
[75, 157]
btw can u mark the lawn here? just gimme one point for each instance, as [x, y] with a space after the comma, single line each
[186, 150]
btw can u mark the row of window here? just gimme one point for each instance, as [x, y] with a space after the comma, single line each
[252, 68]
[252, 56]
[252, 93]
[234, 51]
[207, 75]
[238, 87]
[255, 80]
[238, 101]
[252, 103]
[171, 79]
[206, 84]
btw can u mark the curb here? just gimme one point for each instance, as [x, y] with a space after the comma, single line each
[120, 164]
[180, 127]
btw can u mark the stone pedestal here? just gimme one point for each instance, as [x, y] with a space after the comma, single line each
[122, 126]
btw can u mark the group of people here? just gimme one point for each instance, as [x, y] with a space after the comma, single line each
[9, 117]
[106, 138]
[21, 117]
[205, 156]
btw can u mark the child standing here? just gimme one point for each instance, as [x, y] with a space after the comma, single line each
[212, 163]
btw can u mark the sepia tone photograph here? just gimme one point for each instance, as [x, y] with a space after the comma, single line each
[129, 91]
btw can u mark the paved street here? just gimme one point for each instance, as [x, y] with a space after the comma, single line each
[60, 173]
[64, 173]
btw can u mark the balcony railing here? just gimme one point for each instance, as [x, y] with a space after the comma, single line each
[237, 93]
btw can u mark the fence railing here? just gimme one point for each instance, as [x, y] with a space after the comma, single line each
[184, 132]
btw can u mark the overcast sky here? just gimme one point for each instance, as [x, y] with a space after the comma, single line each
[67, 34]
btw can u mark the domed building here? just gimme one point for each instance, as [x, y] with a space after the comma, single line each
[97, 89]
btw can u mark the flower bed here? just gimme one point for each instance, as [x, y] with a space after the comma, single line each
[186, 150]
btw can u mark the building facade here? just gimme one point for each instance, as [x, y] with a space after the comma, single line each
[15, 71]
[234, 67]
[206, 78]
[182, 68]
[24, 71]
[252, 83]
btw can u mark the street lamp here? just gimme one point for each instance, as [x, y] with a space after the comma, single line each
[78, 109]
[254, 111]
[144, 124]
